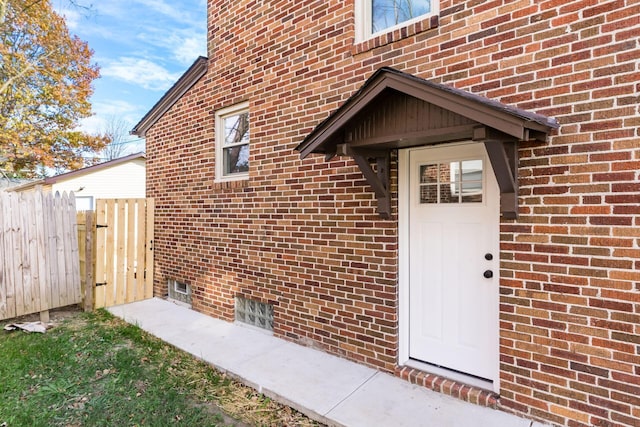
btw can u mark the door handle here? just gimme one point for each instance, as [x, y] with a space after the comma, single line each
[488, 274]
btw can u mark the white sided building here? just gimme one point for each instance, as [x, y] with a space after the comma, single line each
[122, 178]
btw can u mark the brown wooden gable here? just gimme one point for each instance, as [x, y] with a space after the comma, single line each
[397, 110]
[396, 120]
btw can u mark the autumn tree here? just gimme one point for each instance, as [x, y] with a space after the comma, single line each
[46, 78]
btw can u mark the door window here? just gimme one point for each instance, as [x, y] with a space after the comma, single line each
[451, 182]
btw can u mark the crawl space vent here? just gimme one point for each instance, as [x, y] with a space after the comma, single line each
[179, 292]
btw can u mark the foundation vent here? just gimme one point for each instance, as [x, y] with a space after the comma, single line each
[254, 313]
[179, 292]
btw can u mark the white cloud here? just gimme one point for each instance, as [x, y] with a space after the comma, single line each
[177, 14]
[115, 108]
[190, 49]
[182, 45]
[111, 110]
[93, 125]
[71, 17]
[140, 72]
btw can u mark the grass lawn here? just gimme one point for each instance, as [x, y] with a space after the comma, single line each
[95, 370]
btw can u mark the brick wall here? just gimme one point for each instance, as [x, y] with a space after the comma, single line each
[305, 237]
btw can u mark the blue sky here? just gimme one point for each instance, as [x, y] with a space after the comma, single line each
[142, 48]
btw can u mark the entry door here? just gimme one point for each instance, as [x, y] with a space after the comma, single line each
[454, 259]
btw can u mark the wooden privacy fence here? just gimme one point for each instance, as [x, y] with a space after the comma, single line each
[117, 255]
[39, 260]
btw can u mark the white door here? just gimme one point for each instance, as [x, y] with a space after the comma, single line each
[453, 259]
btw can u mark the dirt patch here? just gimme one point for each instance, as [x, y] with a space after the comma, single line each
[214, 409]
[56, 316]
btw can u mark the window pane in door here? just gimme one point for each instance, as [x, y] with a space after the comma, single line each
[448, 193]
[472, 170]
[472, 192]
[429, 194]
[472, 181]
[451, 182]
[428, 174]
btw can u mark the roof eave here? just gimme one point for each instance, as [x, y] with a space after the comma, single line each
[54, 179]
[27, 185]
[510, 120]
[328, 129]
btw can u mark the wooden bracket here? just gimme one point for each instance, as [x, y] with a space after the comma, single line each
[378, 179]
[503, 156]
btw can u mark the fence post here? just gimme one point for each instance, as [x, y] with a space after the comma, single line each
[150, 216]
[91, 255]
[86, 242]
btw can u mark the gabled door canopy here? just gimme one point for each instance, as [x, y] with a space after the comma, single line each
[397, 110]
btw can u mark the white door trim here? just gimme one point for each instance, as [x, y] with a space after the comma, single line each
[403, 255]
[403, 285]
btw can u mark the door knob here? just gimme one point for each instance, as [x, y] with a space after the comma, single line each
[488, 256]
[488, 274]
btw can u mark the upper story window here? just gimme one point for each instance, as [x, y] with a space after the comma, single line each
[375, 17]
[232, 142]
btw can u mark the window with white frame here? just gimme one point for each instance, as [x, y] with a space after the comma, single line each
[374, 17]
[84, 203]
[232, 142]
[451, 182]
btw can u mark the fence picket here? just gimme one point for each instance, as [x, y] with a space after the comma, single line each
[110, 287]
[120, 254]
[67, 231]
[16, 231]
[3, 267]
[75, 291]
[5, 307]
[149, 221]
[41, 250]
[130, 250]
[101, 241]
[30, 258]
[140, 250]
[50, 242]
[59, 251]
[8, 257]
[86, 249]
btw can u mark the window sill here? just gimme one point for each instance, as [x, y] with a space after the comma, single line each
[395, 35]
[231, 183]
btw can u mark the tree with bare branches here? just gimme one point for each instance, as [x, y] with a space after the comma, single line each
[117, 131]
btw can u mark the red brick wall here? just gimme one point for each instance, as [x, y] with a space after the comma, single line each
[304, 235]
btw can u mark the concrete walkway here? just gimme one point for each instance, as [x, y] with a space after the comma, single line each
[329, 389]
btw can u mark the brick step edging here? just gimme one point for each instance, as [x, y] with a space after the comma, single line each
[449, 387]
